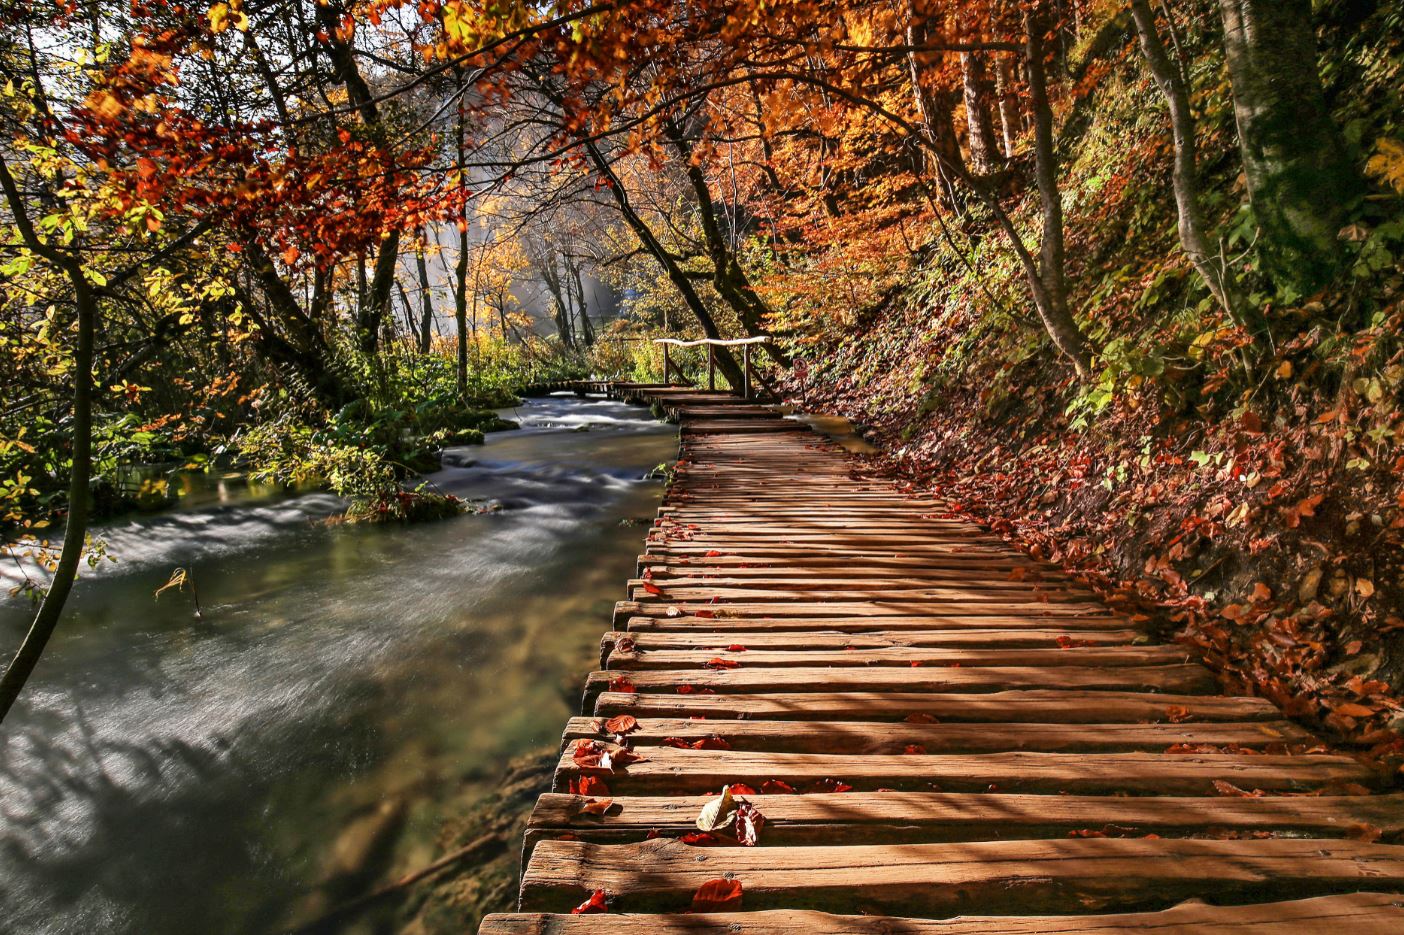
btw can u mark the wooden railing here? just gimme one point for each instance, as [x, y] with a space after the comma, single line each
[747, 371]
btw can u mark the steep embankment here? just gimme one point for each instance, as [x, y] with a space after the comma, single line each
[1254, 501]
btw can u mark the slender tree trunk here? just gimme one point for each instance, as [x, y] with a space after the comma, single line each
[75, 532]
[676, 275]
[460, 310]
[984, 148]
[587, 330]
[728, 276]
[426, 302]
[1051, 288]
[1185, 176]
[1009, 124]
[1302, 182]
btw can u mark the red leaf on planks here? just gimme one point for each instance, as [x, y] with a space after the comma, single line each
[740, 788]
[702, 839]
[596, 807]
[694, 690]
[588, 785]
[717, 896]
[736, 648]
[625, 644]
[828, 785]
[704, 614]
[1224, 787]
[920, 718]
[706, 743]
[713, 553]
[652, 588]
[1177, 713]
[749, 822]
[914, 749]
[717, 662]
[596, 903]
[622, 684]
[587, 754]
[621, 724]
[778, 787]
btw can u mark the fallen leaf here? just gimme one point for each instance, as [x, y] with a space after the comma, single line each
[621, 724]
[596, 807]
[717, 813]
[749, 822]
[596, 903]
[717, 896]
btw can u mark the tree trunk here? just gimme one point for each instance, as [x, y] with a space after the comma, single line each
[75, 531]
[725, 362]
[1185, 176]
[426, 302]
[460, 310]
[1009, 120]
[984, 149]
[587, 330]
[1050, 288]
[1302, 183]
[935, 110]
[728, 276]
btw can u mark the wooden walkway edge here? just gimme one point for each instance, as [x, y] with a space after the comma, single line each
[939, 735]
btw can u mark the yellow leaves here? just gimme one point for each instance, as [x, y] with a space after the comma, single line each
[177, 580]
[1387, 164]
[224, 15]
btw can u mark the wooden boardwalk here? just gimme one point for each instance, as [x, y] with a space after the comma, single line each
[931, 725]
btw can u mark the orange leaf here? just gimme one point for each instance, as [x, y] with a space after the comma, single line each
[717, 896]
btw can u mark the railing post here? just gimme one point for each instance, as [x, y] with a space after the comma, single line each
[746, 371]
[711, 368]
[667, 366]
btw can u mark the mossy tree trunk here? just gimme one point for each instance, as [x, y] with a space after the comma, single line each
[1302, 181]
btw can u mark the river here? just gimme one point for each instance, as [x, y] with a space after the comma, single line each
[173, 773]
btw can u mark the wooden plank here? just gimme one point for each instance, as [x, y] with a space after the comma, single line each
[1352, 914]
[897, 738]
[941, 879]
[725, 619]
[909, 656]
[647, 639]
[962, 583]
[668, 770]
[931, 817]
[1168, 678]
[1058, 706]
[1030, 598]
[1039, 613]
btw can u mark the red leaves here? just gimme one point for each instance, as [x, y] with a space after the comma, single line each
[736, 648]
[717, 662]
[777, 787]
[596, 807]
[1306, 507]
[706, 743]
[596, 903]
[828, 785]
[914, 749]
[622, 724]
[588, 785]
[718, 896]
[694, 690]
[1177, 714]
[652, 588]
[920, 718]
[621, 683]
[749, 822]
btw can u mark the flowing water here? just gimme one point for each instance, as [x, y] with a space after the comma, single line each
[168, 773]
